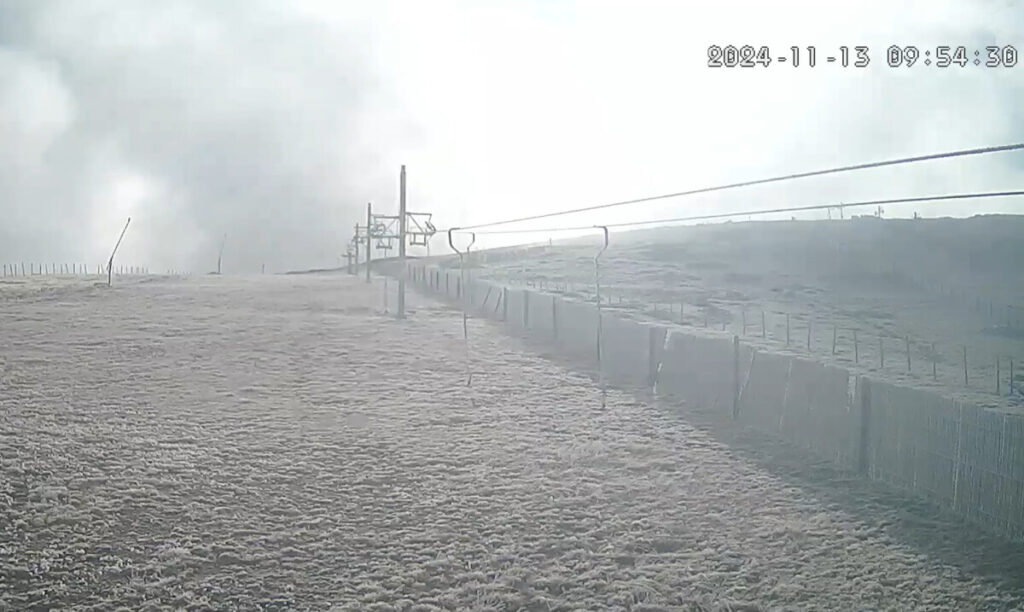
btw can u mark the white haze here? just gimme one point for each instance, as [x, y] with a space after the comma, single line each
[276, 122]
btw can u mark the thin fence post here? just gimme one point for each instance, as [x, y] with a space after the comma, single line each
[935, 371]
[652, 357]
[735, 377]
[998, 375]
[881, 350]
[856, 348]
[787, 329]
[705, 316]
[526, 309]
[764, 329]
[863, 462]
[1011, 376]
[835, 336]
[743, 314]
[907, 338]
[554, 317]
[966, 384]
[681, 305]
[808, 334]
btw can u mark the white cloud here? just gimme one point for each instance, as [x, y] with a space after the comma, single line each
[279, 121]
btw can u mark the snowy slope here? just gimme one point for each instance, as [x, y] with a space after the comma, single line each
[235, 443]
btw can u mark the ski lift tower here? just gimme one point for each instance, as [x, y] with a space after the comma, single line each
[405, 228]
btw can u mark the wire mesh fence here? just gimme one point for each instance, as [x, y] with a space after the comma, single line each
[899, 356]
[22, 269]
[952, 452]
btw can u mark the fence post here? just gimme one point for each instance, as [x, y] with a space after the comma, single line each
[764, 331]
[744, 315]
[935, 372]
[881, 350]
[965, 366]
[998, 374]
[808, 334]
[865, 425]
[787, 329]
[907, 338]
[526, 309]
[652, 357]
[554, 317]
[504, 304]
[735, 377]
[856, 348]
[835, 336]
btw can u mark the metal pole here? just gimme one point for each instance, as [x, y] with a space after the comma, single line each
[735, 376]
[597, 287]
[110, 264]
[462, 285]
[907, 339]
[966, 383]
[401, 246]
[355, 239]
[220, 255]
[369, 237]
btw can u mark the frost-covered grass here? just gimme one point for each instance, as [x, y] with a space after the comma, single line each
[274, 442]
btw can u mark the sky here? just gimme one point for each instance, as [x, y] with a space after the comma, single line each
[275, 123]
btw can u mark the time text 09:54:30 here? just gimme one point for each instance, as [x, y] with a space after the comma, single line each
[859, 56]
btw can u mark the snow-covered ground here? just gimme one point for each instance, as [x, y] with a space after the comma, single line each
[276, 442]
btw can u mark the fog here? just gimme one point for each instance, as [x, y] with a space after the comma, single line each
[276, 124]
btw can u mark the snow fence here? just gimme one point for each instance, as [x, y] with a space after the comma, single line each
[956, 455]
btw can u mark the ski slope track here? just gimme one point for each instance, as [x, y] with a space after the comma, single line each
[277, 443]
